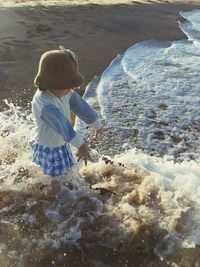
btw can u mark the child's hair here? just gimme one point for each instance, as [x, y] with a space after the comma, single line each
[58, 70]
[40, 88]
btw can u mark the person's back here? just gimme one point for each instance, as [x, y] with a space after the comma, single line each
[44, 134]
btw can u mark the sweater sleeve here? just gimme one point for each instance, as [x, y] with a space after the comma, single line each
[60, 124]
[84, 111]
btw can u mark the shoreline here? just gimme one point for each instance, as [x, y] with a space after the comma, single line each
[96, 33]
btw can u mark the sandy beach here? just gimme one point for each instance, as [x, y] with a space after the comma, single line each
[95, 30]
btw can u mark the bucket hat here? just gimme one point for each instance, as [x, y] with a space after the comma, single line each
[58, 70]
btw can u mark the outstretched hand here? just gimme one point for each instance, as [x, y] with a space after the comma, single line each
[84, 153]
[100, 132]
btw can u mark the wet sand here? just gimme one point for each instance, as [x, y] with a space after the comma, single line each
[96, 32]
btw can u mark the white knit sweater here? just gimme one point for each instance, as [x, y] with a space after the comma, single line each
[54, 132]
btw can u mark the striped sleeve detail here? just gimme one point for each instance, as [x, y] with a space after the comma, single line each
[84, 111]
[60, 124]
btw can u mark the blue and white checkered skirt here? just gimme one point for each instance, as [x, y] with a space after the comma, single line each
[53, 161]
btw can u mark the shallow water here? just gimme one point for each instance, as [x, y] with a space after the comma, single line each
[138, 203]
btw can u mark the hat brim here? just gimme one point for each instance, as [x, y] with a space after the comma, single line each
[47, 83]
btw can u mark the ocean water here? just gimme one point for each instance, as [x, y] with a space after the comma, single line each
[138, 202]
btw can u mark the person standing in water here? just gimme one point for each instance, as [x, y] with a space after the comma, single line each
[57, 80]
